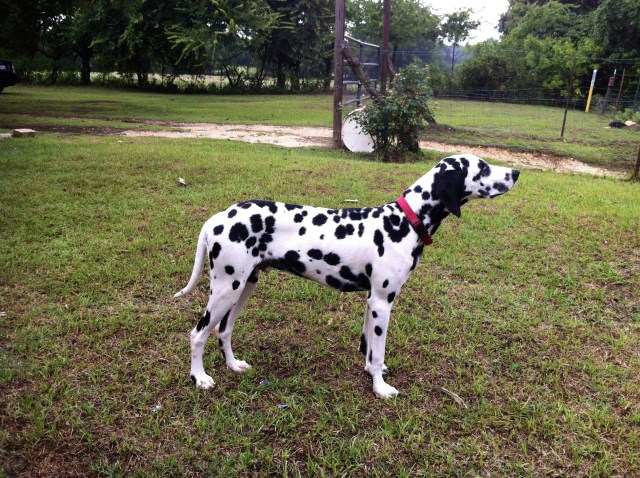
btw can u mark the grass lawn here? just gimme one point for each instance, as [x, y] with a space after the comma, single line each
[517, 127]
[527, 308]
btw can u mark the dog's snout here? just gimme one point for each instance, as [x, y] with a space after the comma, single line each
[515, 174]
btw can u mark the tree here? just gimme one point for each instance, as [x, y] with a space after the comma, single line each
[411, 23]
[457, 28]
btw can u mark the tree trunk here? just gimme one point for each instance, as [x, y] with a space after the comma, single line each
[453, 59]
[357, 68]
[85, 69]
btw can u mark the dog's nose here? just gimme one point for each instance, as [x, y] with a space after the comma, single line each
[515, 174]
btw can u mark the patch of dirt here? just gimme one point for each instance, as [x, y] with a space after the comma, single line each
[295, 137]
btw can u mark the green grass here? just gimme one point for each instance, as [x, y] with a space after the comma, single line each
[516, 127]
[587, 137]
[526, 307]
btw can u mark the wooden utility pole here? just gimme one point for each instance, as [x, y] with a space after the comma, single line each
[569, 97]
[624, 71]
[337, 75]
[384, 60]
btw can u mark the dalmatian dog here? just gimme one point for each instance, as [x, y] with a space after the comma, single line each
[371, 249]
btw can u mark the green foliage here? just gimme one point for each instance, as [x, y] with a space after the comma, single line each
[628, 115]
[411, 22]
[396, 121]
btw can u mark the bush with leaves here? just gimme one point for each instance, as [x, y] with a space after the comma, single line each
[395, 120]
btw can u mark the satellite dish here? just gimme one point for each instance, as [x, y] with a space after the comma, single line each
[356, 140]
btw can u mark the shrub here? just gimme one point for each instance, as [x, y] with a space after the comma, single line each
[396, 120]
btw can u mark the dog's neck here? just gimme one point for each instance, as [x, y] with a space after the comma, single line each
[420, 198]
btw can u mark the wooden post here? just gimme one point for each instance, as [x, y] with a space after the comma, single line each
[635, 176]
[384, 61]
[337, 75]
[569, 97]
[624, 70]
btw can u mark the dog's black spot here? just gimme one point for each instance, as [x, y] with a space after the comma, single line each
[370, 356]
[358, 282]
[426, 196]
[500, 187]
[256, 223]
[368, 269]
[315, 254]
[235, 285]
[218, 230]
[385, 283]
[291, 207]
[253, 278]
[220, 343]
[378, 330]
[333, 282]
[251, 242]
[416, 253]
[270, 225]
[238, 232]
[363, 345]
[354, 214]
[319, 220]
[302, 231]
[336, 219]
[232, 213]
[332, 259]
[377, 212]
[344, 231]
[290, 263]
[396, 228]
[273, 208]
[391, 297]
[298, 218]
[374, 314]
[360, 229]
[322, 237]
[204, 321]
[193, 379]
[229, 270]
[418, 189]
[378, 240]
[223, 322]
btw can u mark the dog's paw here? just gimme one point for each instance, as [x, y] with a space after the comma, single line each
[202, 380]
[384, 390]
[238, 366]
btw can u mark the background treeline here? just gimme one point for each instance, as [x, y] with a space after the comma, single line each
[287, 45]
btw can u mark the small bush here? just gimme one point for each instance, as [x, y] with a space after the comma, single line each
[629, 114]
[395, 121]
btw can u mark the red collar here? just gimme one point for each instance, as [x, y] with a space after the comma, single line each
[416, 223]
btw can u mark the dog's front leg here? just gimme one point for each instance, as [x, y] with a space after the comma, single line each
[374, 341]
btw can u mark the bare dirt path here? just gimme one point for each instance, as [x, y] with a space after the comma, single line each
[301, 136]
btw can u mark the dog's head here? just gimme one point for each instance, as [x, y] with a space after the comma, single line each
[461, 178]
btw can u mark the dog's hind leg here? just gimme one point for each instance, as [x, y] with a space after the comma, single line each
[224, 329]
[219, 308]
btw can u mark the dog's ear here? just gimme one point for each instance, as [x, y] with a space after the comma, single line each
[449, 190]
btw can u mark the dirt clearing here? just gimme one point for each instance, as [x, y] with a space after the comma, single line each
[301, 136]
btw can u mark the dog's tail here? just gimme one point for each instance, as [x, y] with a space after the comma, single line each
[201, 253]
